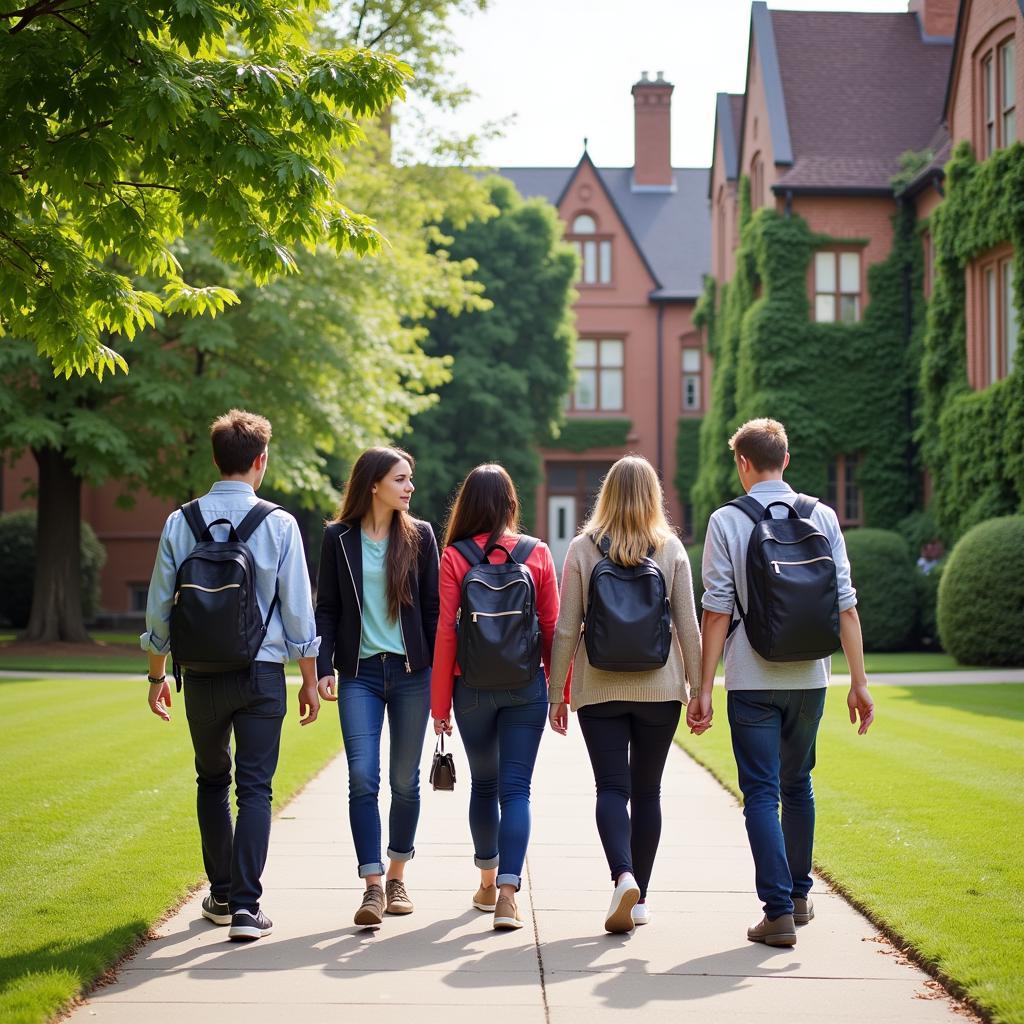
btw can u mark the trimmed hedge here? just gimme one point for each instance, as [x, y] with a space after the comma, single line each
[18, 558]
[579, 435]
[981, 595]
[885, 577]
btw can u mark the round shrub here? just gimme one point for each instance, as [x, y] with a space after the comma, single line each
[981, 595]
[883, 573]
[695, 552]
[18, 558]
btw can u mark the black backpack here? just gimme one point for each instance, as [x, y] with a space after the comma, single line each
[216, 624]
[792, 611]
[499, 644]
[628, 623]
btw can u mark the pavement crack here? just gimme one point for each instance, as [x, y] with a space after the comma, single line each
[536, 940]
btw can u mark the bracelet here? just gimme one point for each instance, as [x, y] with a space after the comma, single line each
[157, 680]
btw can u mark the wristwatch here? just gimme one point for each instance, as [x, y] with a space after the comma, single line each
[156, 680]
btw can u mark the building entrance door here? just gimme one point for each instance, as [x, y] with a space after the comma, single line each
[561, 526]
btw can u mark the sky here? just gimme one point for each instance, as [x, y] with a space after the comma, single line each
[564, 69]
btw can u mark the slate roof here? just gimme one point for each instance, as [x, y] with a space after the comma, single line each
[859, 90]
[672, 230]
[728, 127]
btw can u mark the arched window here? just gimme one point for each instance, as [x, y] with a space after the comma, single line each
[584, 224]
[756, 182]
[595, 253]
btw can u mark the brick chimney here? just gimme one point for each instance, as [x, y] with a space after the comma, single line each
[936, 17]
[652, 108]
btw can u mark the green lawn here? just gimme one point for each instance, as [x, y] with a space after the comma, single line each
[920, 822]
[98, 837]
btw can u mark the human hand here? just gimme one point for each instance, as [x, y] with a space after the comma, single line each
[699, 712]
[442, 725]
[327, 687]
[558, 716]
[859, 701]
[160, 700]
[309, 703]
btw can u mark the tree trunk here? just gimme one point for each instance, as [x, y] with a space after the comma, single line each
[57, 590]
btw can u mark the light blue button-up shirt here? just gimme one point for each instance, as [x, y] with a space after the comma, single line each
[276, 548]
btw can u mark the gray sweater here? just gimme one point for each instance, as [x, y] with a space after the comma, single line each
[594, 686]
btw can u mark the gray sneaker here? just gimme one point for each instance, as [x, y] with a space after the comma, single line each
[780, 932]
[803, 909]
[371, 910]
[398, 898]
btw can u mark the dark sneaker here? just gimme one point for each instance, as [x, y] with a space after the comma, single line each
[397, 898]
[371, 910]
[780, 932]
[247, 925]
[803, 910]
[215, 911]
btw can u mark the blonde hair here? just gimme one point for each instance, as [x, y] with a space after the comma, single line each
[630, 511]
[763, 442]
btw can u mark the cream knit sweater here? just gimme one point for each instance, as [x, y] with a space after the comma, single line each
[593, 686]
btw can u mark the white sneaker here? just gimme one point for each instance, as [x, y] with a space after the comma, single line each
[624, 899]
[641, 915]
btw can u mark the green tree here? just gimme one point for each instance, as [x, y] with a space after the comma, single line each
[122, 125]
[512, 362]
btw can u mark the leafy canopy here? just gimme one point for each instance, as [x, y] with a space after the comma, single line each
[122, 125]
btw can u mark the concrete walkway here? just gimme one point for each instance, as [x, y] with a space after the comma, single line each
[445, 963]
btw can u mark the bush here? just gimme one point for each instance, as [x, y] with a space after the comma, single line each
[927, 606]
[695, 553]
[18, 558]
[883, 572]
[981, 595]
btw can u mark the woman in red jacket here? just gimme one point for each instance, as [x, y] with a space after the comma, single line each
[501, 729]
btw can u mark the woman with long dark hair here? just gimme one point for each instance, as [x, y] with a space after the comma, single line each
[501, 727]
[376, 613]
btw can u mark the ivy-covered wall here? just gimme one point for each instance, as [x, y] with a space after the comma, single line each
[838, 388]
[973, 441]
[579, 435]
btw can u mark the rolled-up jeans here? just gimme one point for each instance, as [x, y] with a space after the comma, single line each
[773, 740]
[501, 731]
[382, 683]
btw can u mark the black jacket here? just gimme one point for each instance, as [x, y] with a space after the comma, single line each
[339, 601]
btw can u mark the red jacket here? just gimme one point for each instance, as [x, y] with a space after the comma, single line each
[453, 568]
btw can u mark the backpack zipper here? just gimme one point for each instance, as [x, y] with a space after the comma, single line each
[806, 561]
[207, 590]
[492, 615]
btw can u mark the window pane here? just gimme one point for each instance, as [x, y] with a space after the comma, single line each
[561, 477]
[849, 273]
[1011, 327]
[691, 392]
[606, 263]
[691, 360]
[849, 309]
[586, 352]
[579, 264]
[590, 262]
[586, 388]
[1009, 86]
[584, 224]
[1009, 128]
[852, 503]
[825, 309]
[824, 271]
[611, 389]
[611, 353]
[989, 87]
[992, 326]
[593, 474]
[831, 488]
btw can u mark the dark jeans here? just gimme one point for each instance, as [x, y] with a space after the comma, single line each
[251, 705]
[773, 735]
[382, 683]
[501, 731]
[628, 742]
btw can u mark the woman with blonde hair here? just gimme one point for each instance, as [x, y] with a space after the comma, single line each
[628, 717]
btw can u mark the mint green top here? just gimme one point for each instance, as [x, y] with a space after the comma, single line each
[381, 633]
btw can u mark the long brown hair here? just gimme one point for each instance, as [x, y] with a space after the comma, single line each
[485, 503]
[630, 511]
[403, 538]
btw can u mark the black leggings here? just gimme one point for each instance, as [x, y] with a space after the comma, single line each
[628, 742]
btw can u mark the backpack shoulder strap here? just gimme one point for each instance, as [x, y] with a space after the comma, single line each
[604, 545]
[805, 505]
[470, 551]
[524, 548]
[247, 527]
[751, 507]
[196, 523]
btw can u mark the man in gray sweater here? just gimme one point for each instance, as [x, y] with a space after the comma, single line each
[773, 707]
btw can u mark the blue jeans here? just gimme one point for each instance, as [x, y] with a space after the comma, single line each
[501, 731]
[773, 737]
[250, 705]
[382, 682]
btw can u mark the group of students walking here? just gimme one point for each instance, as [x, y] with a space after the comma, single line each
[482, 637]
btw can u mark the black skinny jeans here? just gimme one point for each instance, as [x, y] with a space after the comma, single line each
[628, 742]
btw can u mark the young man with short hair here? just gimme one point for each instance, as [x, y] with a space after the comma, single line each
[774, 707]
[248, 704]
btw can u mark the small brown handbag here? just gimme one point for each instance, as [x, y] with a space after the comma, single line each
[442, 768]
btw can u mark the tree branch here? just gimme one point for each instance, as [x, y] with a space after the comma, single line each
[71, 24]
[148, 184]
[405, 9]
